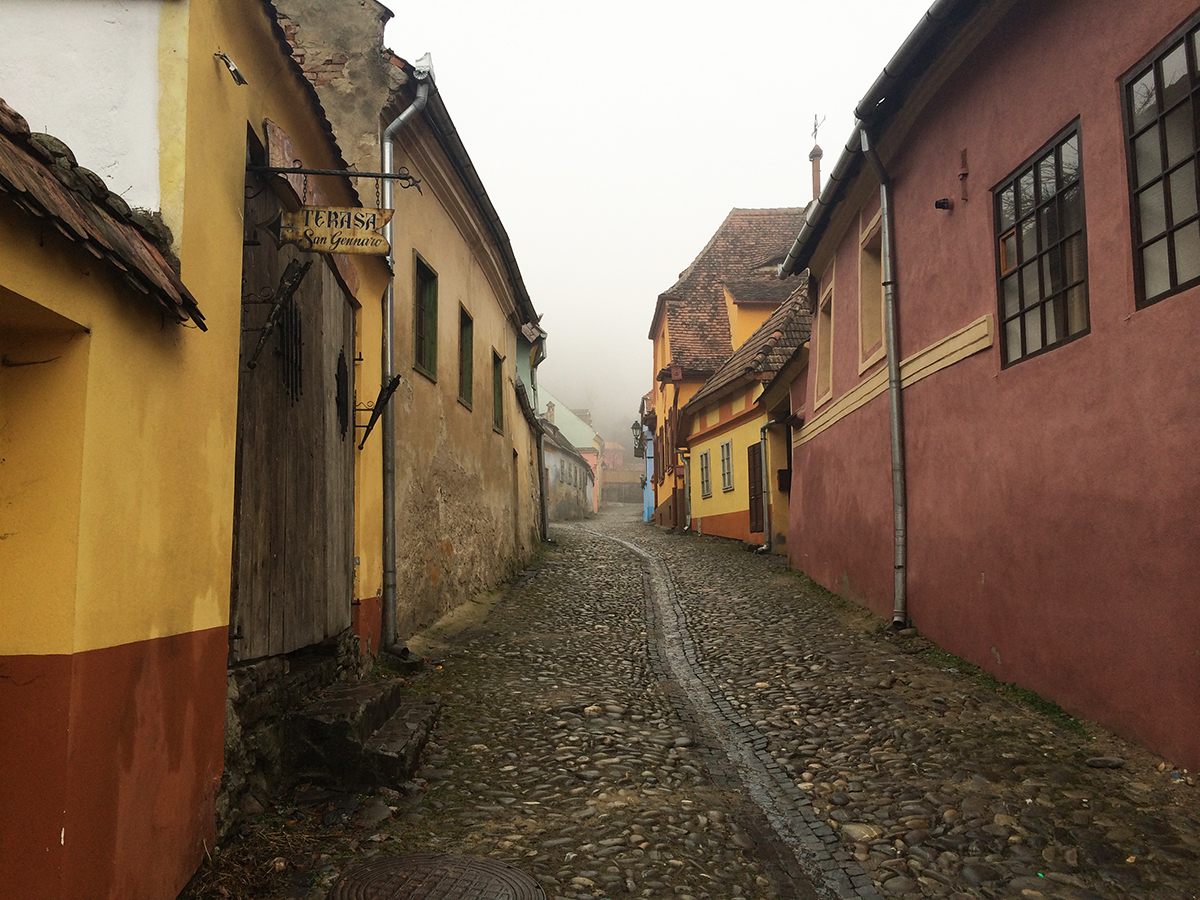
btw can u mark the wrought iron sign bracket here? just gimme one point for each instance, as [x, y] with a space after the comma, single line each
[376, 409]
[402, 175]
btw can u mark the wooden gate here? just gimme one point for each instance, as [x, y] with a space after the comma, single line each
[293, 540]
[754, 475]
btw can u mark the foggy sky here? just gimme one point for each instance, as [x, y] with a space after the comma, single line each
[613, 139]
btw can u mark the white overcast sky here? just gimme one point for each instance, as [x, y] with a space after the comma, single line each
[614, 137]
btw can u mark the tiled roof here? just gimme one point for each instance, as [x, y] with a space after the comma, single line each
[749, 243]
[39, 173]
[765, 351]
[763, 288]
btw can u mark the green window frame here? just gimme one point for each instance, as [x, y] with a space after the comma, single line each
[425, 318]
[497, 392]
[466, 357]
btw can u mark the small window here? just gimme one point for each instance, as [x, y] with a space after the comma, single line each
[870, 297]
[1162, 99]
[825, 345]
[727, 466]
[425, 330]
[497, 392]
[1041, 251]
[705, 475]
[466, 350]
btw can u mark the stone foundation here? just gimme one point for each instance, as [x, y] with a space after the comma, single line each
[259, 697]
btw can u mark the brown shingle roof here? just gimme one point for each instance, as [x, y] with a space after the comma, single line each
[39, 173]
[749, 243]
[764, 353]
[763, 288]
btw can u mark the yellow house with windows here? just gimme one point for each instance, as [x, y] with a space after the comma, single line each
[717, 303]
[737, 446]
[152, 416]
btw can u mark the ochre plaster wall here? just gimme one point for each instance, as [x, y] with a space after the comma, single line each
[726, 513]
[467, 494]
[127, 641]
[1052, 525]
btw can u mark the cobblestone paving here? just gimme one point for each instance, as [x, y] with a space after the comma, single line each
[650, 715]
[931, 780]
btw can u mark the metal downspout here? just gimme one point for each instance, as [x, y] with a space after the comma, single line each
[766, 486]
[895, 405]
[424, 75]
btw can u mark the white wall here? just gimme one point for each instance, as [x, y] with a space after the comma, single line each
[86, 71]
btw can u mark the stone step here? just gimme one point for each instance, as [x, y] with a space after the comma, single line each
[361, 734]
[352, 711]
[390, 755]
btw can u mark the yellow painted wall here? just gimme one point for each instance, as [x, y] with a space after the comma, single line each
[668, 395]
[157, 433]
[745, 319]
[742, 434]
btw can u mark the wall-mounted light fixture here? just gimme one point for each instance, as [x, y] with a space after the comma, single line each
[944, 203]
[234, 71]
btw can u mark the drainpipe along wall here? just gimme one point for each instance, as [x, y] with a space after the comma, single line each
[424, 75]
[766, 485]
[895, 404]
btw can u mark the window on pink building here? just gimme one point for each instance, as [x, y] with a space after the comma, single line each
[1041, 250]
[1162, 98]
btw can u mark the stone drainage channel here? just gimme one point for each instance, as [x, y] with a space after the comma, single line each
[815, 849]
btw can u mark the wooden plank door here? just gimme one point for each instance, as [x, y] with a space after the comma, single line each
[294, 497]
[755, 476]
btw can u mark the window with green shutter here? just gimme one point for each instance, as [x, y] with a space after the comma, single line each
[425, 312]
[466, 349]
[497, 392]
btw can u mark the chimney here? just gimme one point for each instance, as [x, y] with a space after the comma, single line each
[815, 158]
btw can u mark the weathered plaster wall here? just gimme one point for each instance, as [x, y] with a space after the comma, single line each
[128, 640]
[569, 486]
[467, 494]
[1052, 521]
[88, 74]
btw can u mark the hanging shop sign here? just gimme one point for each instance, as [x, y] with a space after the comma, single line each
[333, 229]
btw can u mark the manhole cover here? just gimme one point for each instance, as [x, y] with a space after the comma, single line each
[435, 876]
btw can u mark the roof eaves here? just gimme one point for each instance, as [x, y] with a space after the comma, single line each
[448, 137]
[940, 23]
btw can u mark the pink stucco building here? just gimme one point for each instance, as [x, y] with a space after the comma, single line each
[1041, 159]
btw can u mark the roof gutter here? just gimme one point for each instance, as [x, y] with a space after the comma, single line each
[870, 110]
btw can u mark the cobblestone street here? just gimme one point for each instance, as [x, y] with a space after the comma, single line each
[649, 715]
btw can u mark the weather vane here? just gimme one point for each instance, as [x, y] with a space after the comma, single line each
[817, 123]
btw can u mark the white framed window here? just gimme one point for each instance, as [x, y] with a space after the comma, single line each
[727, 466]
[705, 475]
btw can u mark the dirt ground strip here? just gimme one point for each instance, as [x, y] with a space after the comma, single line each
[649, 715]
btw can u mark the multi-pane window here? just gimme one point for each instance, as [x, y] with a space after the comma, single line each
[1042, 250]
[705, 474]
[1161, 103]
[727, 466]
[425, 315]
[466, 350]
[825, 344]
[870, 297]
[497, 391]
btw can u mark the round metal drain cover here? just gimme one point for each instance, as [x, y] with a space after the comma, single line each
[435, 876]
